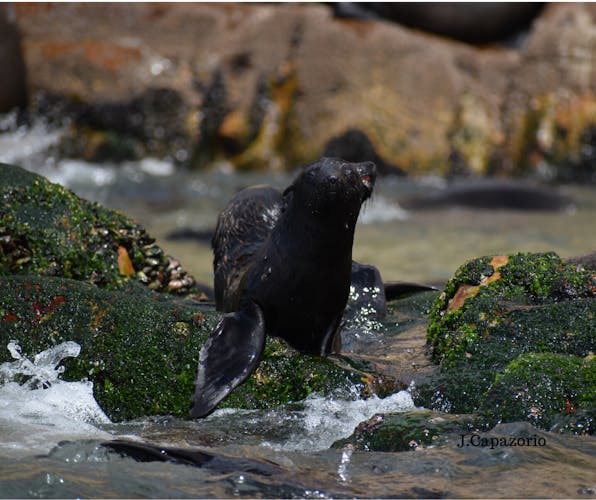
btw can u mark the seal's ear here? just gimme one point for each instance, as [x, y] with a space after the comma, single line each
[289, 191]
[287, 197]
[229, 356]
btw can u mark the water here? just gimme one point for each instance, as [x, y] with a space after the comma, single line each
[51, 448]
[51, 431]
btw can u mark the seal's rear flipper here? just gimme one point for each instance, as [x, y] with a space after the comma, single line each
[229, 356]
[367, 289]
[400, 289]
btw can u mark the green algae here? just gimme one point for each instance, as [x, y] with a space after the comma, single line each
[285, 376]
[549, 390]
[46, 229]
[394, 432]
[132, 347]
[495, 311]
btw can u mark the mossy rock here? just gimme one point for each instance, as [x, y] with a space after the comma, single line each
[552, 391]
[140, 348]
[498, 308]
[521, 297]
[46, 229]
[74, 270]
[393, 432]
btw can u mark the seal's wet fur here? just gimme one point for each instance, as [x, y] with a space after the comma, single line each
[282, 266]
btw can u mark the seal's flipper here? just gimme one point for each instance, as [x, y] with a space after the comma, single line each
[400, 289]
[229, 356]
[367, 289]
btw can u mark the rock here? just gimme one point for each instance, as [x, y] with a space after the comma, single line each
[46, 229]
[13, 91]
[139, 349]
[552, 391]
[393, 432]
[550, 112]
[512, 321]
[275, 100]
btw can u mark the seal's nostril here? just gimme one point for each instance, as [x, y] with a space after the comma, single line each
[333, 179]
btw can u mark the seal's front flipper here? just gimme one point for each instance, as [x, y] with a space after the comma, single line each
[229, 356]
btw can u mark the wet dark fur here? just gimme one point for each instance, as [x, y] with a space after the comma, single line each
[291, 253]
[283, 266]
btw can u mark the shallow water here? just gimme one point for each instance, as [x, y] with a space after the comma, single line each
[50, 437]
[49, 451]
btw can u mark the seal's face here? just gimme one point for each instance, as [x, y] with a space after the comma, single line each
[333, 186]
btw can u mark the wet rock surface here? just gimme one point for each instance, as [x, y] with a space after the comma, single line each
[406, 431]
[523, 321]
[46, 229]
[201, 87]
[71, 270]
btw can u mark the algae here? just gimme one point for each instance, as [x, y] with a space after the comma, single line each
[549, 390]
[393, 432]
[46, 229]
[132, 347]
[499, 310]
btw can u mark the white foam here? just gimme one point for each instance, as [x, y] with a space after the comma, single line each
[156, 167]
[41, 410]
[380, 209]
[78, 172]
[24, 142]
[325, 420]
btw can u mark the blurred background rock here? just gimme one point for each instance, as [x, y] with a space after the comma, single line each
[497, 89]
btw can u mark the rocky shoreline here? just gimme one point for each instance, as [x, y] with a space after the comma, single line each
[263, 86]
[510, 339]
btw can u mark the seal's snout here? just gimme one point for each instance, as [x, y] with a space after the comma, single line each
[368, 174]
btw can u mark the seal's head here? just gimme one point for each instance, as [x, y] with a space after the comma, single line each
[332, 187]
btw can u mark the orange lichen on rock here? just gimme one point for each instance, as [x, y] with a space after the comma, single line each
[466, 291]
[124, 263]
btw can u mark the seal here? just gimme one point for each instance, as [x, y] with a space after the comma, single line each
[488, 194]
[283, 266]
[476, 23]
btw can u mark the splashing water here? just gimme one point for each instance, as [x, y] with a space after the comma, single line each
[44, 370]
[19, 144]
[37, 409]
[324, 421]
[381, 209]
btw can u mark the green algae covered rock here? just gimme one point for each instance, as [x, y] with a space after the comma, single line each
[495, 315]
[72, 270]
[552, 391]
[393, 432]
[140, 348]
[46, 229]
